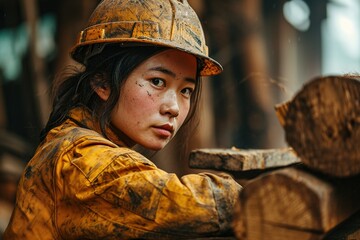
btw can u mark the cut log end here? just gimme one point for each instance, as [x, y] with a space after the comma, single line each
[322, 124]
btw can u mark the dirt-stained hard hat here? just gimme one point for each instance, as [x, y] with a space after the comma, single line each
[168, 23]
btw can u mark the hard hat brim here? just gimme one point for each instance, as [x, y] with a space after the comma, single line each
[210, 67]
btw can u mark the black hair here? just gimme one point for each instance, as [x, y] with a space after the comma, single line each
[109, 68]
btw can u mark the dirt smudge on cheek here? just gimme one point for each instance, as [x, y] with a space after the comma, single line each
[150, 95]
[139, 84]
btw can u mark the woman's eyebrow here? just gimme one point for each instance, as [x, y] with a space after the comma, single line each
[171, 73]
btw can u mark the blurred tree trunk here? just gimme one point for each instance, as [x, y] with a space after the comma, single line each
[39, 82]
[3, 118]
[242, 95]
[72, 18]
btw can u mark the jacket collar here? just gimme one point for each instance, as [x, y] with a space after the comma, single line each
[82, 117]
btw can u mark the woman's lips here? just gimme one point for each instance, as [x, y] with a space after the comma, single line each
[165, 130]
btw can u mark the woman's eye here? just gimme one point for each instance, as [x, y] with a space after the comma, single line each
[158, 82]
[187, 91]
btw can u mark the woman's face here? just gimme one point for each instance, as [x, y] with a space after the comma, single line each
[155, 99]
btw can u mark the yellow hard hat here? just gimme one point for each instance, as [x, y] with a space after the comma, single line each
[168, 23]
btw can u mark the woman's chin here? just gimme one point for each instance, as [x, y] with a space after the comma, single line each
[155, 147]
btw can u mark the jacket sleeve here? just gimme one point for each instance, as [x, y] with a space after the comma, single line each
[120, 187]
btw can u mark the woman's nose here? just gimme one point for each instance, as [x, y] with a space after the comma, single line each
[170, 105]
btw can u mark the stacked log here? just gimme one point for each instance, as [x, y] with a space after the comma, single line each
[310, 190]
[322, 124]
[294, 204]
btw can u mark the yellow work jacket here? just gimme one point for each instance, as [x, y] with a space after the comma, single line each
[80, 185]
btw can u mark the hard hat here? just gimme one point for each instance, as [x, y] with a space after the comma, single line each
[168, 23]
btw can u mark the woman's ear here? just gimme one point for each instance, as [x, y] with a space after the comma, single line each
[102, 91]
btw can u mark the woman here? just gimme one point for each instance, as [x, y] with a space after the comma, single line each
[140, 84]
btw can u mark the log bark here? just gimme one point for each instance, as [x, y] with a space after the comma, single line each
[348, 230]
[241, 160]
[294, 204]
[322, 124]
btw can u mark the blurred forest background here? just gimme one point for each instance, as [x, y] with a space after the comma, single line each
[268, 48]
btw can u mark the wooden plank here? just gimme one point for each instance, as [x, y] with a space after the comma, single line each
[322, 124]
[241, 160]
[292, 203]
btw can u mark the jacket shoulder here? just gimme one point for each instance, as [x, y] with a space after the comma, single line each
[91, 153]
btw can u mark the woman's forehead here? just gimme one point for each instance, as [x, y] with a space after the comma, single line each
[173, 62]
